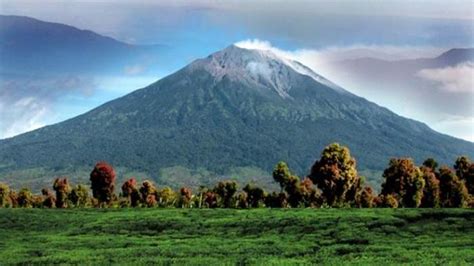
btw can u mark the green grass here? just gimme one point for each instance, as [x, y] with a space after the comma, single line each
[228, 236]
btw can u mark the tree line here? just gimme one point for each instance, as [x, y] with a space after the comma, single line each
[333, 181]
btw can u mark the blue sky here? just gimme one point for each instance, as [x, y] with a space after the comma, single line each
[193, 29]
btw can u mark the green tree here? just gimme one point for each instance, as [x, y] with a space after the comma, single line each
[255, 195]
[281, 174]
[79, 196]
[167, 197]
[431, 163]
[335, 174]
[25, 198]
[404, 180]
[226, 190]
[453, 192]
[4, 195]
[465, 171]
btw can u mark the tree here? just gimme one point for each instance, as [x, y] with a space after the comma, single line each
[167, 197]
[131, 192]
[431, 190]
[387, 201]
[210, 199]
[13, 198]
[49, 201]
[277, 200]
[25, 198]
[281, 174]
[241, 200]
[4, 195]
[102, 180]
[149, 193]
[335, 174]
[255, 195]
[465, 171]
[366, 198]
[186, 196]
[404, 181]
[62, 188]
[431, 163]
[226, 190]
[79, 196]
[453, 192]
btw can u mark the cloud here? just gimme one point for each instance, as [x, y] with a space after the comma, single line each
[316, 58]
[27, 103]
[458, 79]
[134, 69]
[23, 115]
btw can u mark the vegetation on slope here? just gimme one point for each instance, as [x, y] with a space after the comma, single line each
[332, 182]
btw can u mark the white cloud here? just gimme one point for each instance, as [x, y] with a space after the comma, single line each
[23, 115]
[134, 69]
[452, 79]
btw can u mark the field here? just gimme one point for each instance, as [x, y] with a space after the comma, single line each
[229, 236]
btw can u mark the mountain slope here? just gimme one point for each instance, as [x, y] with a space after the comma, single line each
[28, 44]
[235, 108]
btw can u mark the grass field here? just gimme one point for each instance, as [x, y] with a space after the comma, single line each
[228, 236]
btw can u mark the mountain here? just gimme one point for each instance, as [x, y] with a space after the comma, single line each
[234, 108]
[28, 44]
[443, 79]
[398, 71]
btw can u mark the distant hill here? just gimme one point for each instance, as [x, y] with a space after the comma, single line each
[28, 44]
[234, 108]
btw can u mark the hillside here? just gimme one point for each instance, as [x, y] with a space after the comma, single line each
[235, 108]
[31, 46]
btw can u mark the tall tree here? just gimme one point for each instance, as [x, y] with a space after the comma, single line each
[49, 201]
[431, 190]
[131, 192]
[62, 188]
[281, 174]
[4, 195]
[149, 193]
[404, 180]
[186, 196]
[453, 192]
[102, 180]
[465, 171]
[335, 174]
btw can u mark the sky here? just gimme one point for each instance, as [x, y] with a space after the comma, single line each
[313, 32]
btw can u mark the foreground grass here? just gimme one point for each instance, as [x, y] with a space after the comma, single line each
[227, 236]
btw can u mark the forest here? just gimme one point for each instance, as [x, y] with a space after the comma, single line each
[332, 182]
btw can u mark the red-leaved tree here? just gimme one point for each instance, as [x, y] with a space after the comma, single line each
[103, 182]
